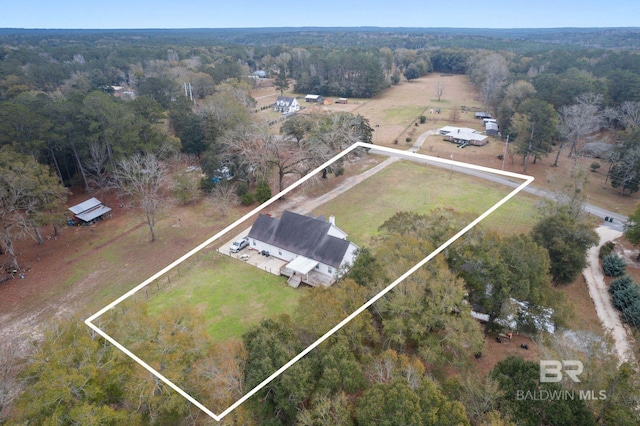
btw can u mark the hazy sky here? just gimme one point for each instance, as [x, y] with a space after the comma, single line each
[323, 13]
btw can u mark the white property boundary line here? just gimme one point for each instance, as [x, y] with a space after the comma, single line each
[374, 149]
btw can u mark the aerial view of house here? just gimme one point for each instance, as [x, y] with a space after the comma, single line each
[463, 136]
[315, 249]
[286, 105]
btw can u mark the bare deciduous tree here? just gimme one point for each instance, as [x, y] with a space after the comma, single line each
[223, 196]
[579, 120]
[96, 168]
[590, 103]
[333, 134]
[439, 90]
[143, 177]
[489, 73]
[627, 114]
[258, 151]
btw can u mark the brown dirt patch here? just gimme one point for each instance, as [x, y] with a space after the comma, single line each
[494, 352]
[87, 267]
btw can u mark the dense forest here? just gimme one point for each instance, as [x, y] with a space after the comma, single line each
[107, 110]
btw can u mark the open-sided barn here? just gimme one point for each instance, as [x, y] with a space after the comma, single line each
[90, 210]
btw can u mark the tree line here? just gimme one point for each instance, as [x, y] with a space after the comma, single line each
[583, 103]
[409, 359]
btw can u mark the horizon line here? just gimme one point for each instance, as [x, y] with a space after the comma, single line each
[319, 28]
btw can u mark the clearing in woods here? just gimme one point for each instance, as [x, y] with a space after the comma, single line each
[86, 267]
[232, 299]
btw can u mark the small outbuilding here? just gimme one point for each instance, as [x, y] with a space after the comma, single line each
[89, 211]
[481, 115]
[491, 128]
[313, 98]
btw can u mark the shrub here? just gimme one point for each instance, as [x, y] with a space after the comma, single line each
[620, 284]
[185, 188]
[206, 185]
[423, 119]
[606, 249]
[247, 199]
[241, 188]
[613, 265]
[595, 166]
[625, 295]
[631, 315]
[407, 140]
[263, 191]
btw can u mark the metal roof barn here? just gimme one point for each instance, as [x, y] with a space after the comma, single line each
[89, 210]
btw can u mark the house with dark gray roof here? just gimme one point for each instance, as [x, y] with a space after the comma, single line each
[286, 105]
[315, 249]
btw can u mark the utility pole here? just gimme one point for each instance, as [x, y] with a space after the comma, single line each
[506, 149]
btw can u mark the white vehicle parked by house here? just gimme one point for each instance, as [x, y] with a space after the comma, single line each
[239, 245]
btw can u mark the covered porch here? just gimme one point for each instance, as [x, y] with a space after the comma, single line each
[302, 270]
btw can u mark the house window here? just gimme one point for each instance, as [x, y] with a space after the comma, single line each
[280, 252]
[329, 269]
[254, 242]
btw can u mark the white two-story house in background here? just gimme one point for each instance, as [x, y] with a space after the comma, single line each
[286, 105]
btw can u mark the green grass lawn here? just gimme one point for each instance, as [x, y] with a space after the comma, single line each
[231, 295]
[413, 187]
[403, 115]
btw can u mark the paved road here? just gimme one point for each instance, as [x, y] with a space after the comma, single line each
[618, 219]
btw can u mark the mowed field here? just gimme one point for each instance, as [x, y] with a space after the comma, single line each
[230, 294]
[233, 295]
[407, 186]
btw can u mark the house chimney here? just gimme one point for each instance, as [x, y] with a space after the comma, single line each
[332, 220]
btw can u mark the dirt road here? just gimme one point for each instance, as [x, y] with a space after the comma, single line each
[602, 300]
[305, 205]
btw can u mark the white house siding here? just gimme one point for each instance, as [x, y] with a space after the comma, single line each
[273, 250]
[334, 231]
[350, 255]
[288, 256]
[287, 105]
